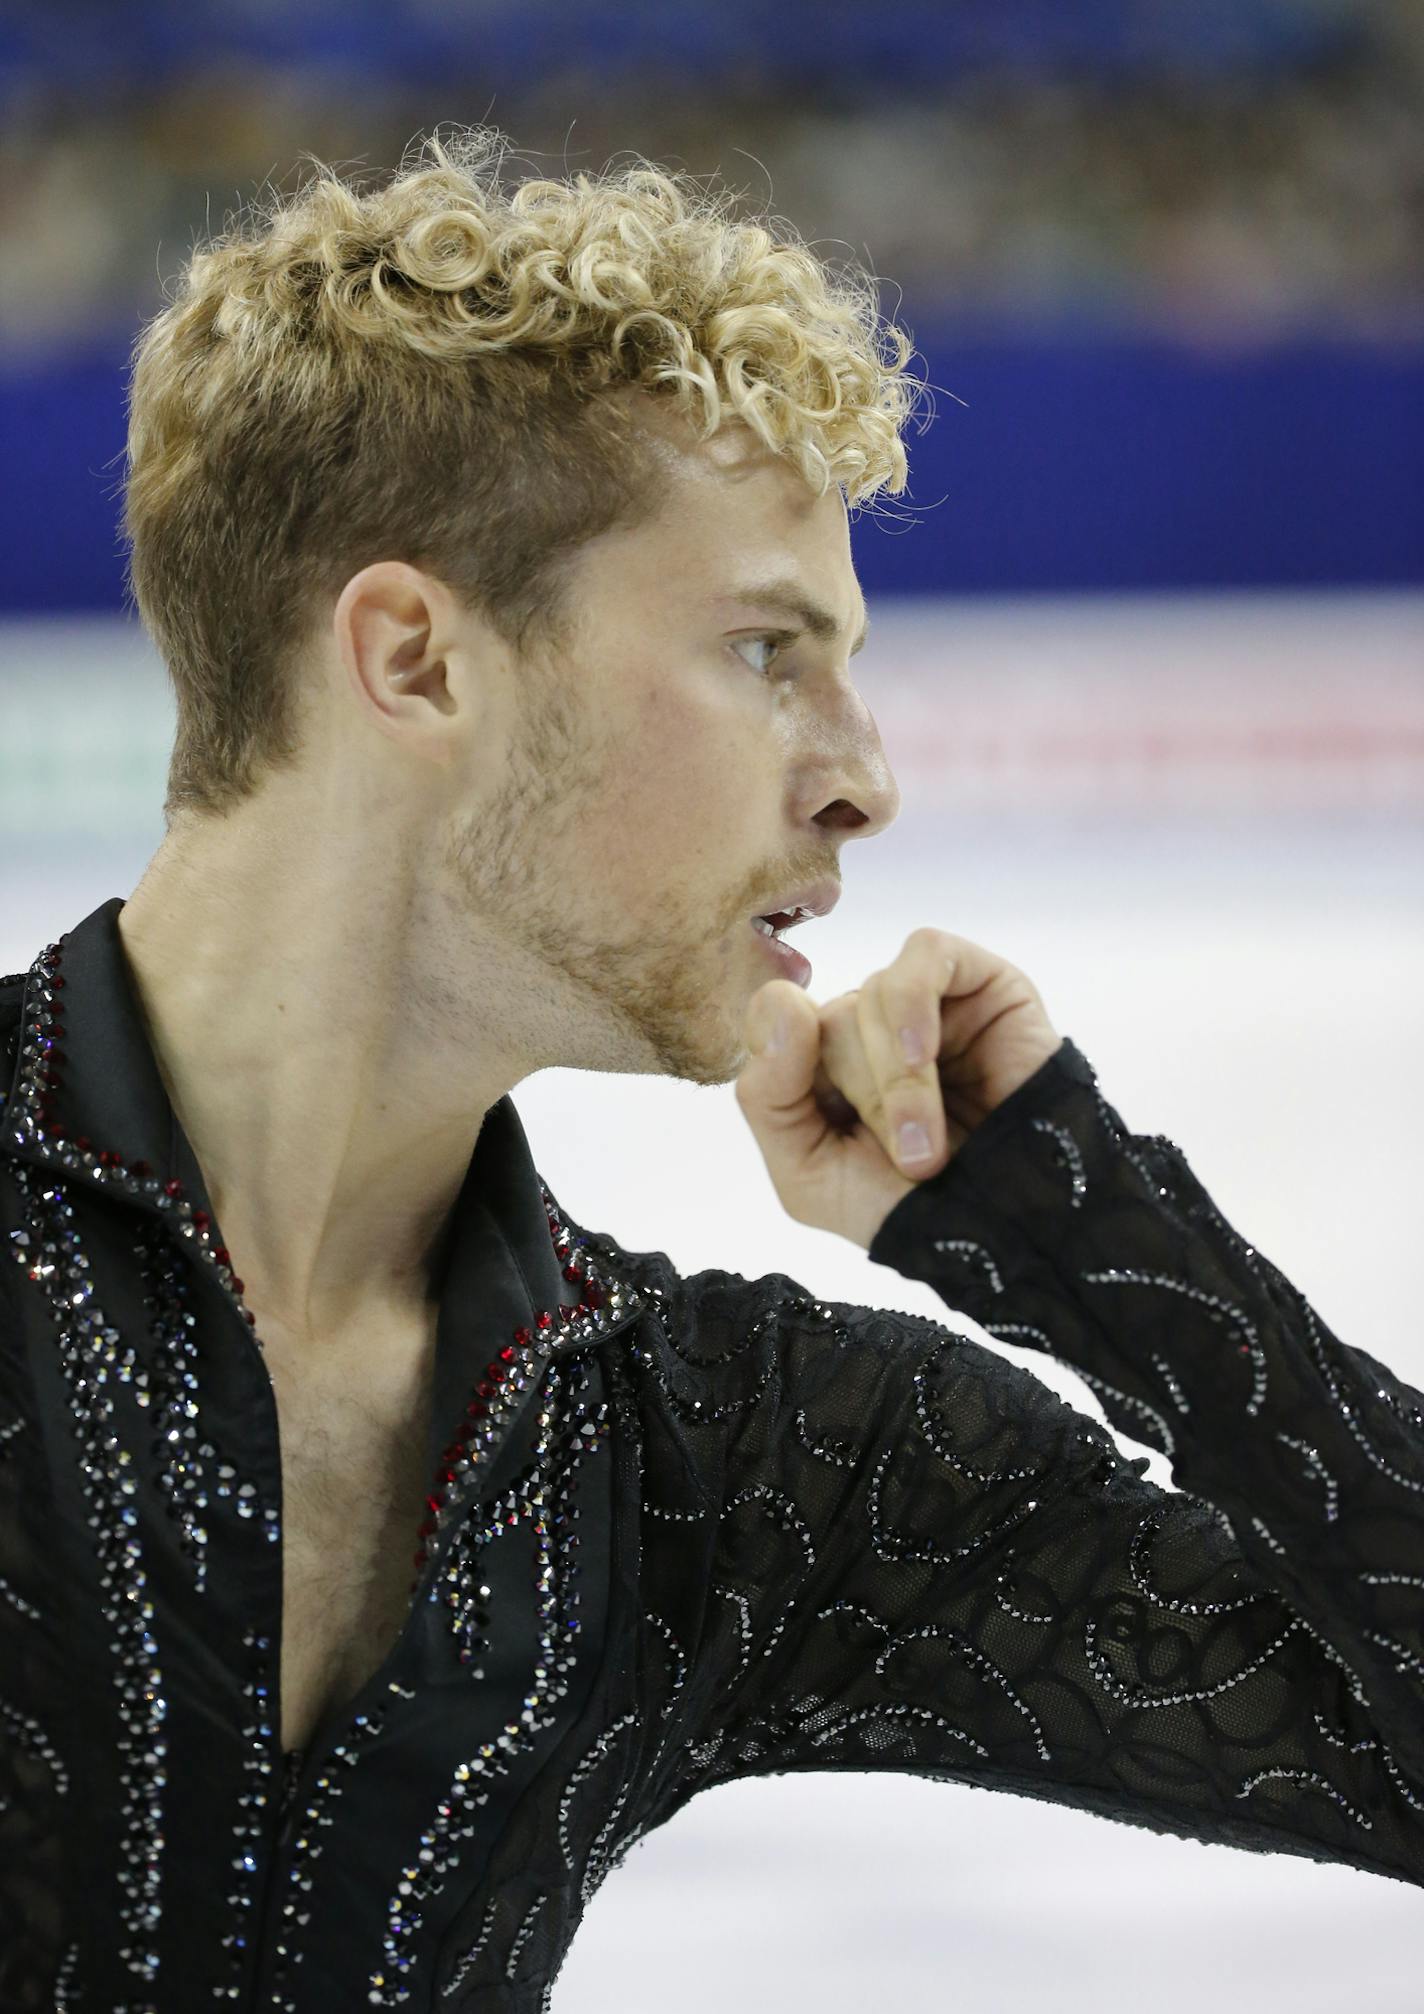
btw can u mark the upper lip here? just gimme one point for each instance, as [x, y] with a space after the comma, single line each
[818, 899]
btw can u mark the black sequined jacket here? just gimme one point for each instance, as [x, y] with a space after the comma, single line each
[680, 1530]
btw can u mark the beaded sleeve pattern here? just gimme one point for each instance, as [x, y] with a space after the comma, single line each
[930, 1562]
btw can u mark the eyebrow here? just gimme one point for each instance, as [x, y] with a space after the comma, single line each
[788, 595]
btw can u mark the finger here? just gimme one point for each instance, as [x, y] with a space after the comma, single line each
[844, 1083]
[775, 1087]
[983, 1020]
[968, 967]
[898, 1015]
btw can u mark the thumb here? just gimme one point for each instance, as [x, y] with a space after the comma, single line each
[774, 1089]
[779, 1018]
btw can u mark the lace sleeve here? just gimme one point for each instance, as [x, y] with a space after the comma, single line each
[927, 1561]
[1059, 1230]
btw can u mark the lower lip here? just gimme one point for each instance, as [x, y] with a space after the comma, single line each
[787, 960]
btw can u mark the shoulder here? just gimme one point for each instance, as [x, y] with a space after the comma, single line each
[680, 1301]
[776, 1367]
[725, 1340]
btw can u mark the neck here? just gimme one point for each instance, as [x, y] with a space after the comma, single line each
[300, 1043]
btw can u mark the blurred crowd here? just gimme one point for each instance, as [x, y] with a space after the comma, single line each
[1205, 201]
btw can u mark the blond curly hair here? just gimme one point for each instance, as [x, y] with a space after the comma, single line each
[413, 373]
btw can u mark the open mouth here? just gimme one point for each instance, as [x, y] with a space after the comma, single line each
[779, 921]
[786, 956]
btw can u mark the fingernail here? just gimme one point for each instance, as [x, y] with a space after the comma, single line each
[912, 1046]
[914, 1142]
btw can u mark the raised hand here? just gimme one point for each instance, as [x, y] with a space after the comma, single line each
[828, 1107]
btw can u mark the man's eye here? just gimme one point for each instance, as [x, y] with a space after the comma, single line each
[778, 639]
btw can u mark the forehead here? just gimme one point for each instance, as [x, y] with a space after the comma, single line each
[731, 516]
[739, 500]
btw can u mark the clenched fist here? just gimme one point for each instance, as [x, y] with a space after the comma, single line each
[936, 1040]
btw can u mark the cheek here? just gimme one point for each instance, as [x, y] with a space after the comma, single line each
[708, 784]
[676, 793]
[702, 728]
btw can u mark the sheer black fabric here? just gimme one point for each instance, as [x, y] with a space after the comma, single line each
[928, 1561]
[703, 1528]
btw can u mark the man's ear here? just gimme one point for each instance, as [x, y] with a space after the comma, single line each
[393, 626]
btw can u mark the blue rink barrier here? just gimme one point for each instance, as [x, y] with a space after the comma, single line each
[796, 42]
[1076, 463]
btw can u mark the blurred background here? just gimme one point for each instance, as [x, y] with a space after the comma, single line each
[1148, 663]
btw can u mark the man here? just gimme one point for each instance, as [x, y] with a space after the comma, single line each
[383, 1554]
